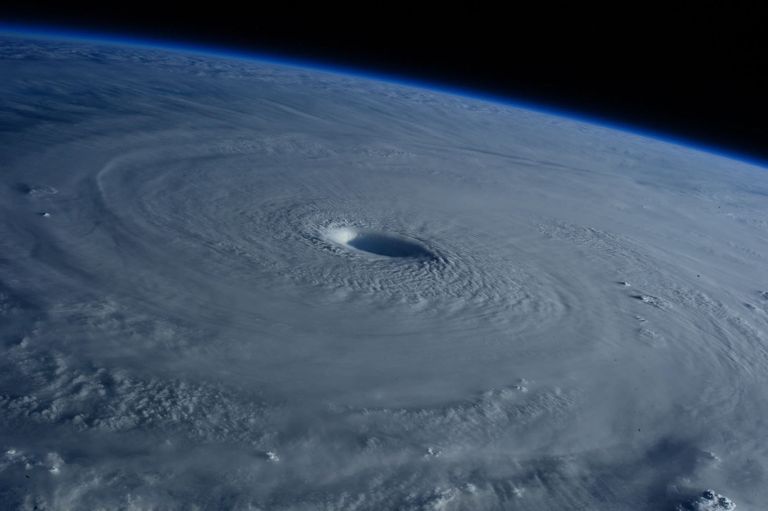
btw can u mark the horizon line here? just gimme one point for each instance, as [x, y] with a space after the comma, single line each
[58, 32]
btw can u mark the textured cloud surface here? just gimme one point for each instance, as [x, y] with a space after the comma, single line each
[227, 284]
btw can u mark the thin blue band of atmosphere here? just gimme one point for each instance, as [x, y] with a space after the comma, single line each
[83, 35]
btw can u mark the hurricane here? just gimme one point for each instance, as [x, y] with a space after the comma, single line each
[235, 283]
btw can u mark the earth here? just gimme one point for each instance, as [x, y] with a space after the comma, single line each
[233, 283]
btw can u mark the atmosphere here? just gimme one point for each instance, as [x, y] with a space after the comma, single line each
[694, 74]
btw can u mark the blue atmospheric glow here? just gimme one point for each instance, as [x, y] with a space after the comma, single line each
[85, 35]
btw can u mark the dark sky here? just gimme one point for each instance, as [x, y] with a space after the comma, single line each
[696, 72]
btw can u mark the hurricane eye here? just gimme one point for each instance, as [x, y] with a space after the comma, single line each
[379, 243]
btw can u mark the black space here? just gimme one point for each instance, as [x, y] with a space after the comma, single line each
[696, 72]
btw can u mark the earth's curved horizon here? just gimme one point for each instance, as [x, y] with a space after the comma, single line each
[231, 284]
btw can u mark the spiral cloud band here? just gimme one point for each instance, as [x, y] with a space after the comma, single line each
[233, 284]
